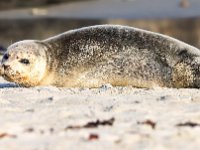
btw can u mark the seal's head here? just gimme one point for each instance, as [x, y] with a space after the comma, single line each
[24, 63]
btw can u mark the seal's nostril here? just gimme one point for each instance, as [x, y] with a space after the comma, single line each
[5, 66]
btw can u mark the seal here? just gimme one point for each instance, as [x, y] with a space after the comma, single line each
[97, 55]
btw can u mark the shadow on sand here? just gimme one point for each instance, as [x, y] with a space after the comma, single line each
[8, 85]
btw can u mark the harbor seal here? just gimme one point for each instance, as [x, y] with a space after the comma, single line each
[96, 55]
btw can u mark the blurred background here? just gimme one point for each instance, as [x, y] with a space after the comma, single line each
[40, 19]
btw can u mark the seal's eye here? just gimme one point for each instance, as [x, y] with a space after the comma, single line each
[24, 61]
[6, 56]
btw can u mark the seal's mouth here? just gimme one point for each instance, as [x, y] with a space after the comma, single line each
[1, 70]
[12, 76]
[6, 73]
[7, 77]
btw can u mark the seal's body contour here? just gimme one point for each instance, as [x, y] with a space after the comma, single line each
[96, 55]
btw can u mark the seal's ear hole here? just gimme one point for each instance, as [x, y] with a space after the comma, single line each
[24, 61]
[6, 56]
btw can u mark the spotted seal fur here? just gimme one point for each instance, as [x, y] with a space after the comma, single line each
[96, 55]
